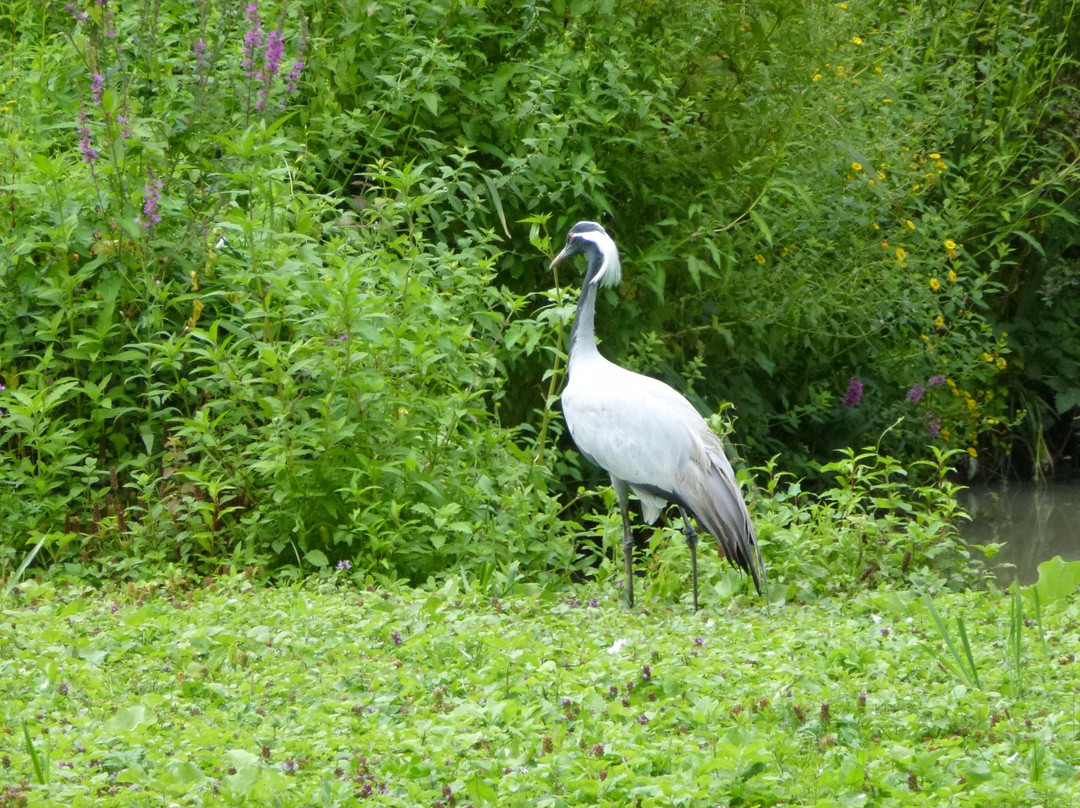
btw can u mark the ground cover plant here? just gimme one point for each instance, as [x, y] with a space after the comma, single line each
[322, 692]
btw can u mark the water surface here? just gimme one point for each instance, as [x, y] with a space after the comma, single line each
[1037, 522]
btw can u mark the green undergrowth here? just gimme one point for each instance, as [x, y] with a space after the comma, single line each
[231, 693]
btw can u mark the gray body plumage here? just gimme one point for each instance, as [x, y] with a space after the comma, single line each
[647, 436]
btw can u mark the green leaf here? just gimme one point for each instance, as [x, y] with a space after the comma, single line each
[316, 558]
[132, 717]
[1057, 579]
[480, 790]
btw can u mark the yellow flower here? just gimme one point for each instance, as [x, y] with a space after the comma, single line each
[934, 156]
[952, 254]
[842, 6]
[881, 175]
[987, 357]
[935, 285]
[940, 165]
[1001, 363]
[857, 40]
[950, 244]
[901, 253]
[971, 450]
[876, 225]
[910, 224]
[946, 435]
[952, 276]
[759, 258]
[856, 166]
[884, 244]
[815, 78]
[939, 321]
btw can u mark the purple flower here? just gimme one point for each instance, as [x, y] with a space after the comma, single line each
[643, 719]
[933, 425]
[89, 153]
[915, 394]
[396, 637]
[97, 85]
[344, 564]
[253, 40]
[151, 204]
[854, 393]
[275, 49]
[199, 49]
[936, 380]
[293, 79]
[78, 15]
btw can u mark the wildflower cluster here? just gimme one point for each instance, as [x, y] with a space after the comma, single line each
[262, 59]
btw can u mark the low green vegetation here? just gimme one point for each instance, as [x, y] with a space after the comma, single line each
[229, 693]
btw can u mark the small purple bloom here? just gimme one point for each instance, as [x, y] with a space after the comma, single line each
[253, 40]
[289, 766]
[292, 80]
[643, 719]
[915, 394]
[699, 640]
[78, 15]
[89, 153]
[151, 204]
[344, 564]
[199, 49]
[936, 380]
[396, 637]
[275, 49]
[933, 425]
[593, 602]
[854, 392]
[97, 85]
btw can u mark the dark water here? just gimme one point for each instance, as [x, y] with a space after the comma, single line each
[1037, 522]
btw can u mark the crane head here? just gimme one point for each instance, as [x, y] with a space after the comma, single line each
[593, 240]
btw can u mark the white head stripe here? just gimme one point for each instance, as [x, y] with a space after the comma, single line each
[610, 267]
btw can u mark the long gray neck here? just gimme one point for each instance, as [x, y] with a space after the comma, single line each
[583, 332]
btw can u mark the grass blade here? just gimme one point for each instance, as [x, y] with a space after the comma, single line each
[967, 652]
[26, 562]
[39, 770]
[958, 666]
[1016, 625]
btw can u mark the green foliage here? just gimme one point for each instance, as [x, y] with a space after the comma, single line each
[169, 692]
[205, 360]
[286, 305]
[879, 523]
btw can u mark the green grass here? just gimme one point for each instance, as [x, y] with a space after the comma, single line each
[237, 693]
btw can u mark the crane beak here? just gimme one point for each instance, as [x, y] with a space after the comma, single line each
[558, 258]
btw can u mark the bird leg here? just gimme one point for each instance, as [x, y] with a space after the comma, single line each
[691, 542]
[621, 490]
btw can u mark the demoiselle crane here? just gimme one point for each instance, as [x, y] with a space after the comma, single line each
[648, 437]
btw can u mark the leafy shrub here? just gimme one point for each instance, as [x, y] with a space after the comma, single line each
[207, 361]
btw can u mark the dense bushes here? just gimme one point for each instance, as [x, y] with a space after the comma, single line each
[275, 289]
